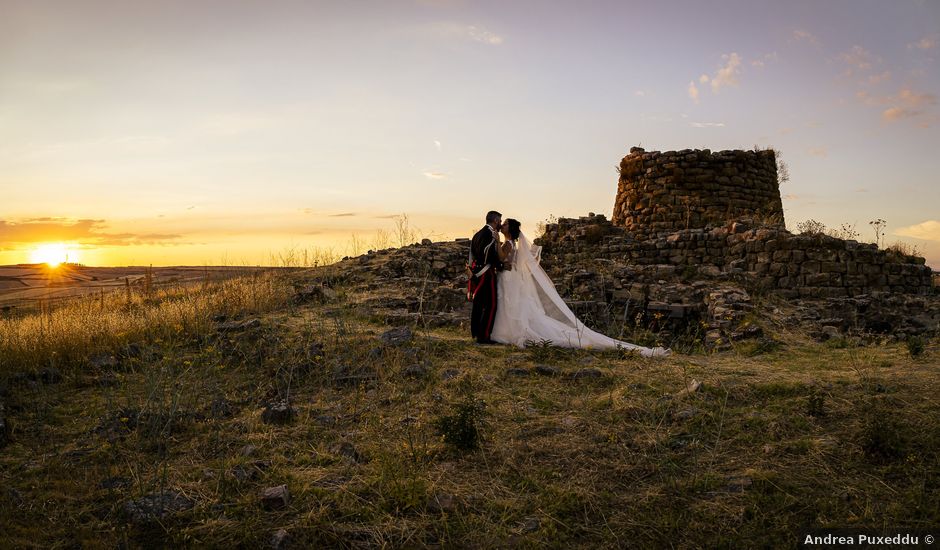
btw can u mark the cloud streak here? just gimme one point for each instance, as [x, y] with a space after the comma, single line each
[800, 35]
[727, 75]
[484, 36]
[928, 230]
[467, 32]
[925, 43]
[857, 60]
[84, 231]
[907, 103]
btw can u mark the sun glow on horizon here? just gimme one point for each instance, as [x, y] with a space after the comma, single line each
[53, 254]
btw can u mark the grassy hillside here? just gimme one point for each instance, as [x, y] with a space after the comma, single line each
[175, 419]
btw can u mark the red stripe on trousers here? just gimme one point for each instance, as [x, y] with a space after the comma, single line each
[489, 326]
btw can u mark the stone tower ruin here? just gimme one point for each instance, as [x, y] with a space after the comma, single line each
[691, 189]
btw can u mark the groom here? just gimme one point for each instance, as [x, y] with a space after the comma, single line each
[484, 263]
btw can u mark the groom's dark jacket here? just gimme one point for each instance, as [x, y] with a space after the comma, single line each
[484, 250]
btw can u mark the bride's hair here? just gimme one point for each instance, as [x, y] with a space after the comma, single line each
[514, 226]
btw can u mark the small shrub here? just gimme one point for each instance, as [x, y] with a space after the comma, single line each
[904, 249]
[816, 404]
[883, 437]
[811, 227]
[544, 350]
[752, 348]
[916, 346]
[461, 429]
[845, 232]
[838, 342]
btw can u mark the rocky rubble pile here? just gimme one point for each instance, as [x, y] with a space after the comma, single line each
[793, 266]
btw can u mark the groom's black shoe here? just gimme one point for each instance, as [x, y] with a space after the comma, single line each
[486, 342]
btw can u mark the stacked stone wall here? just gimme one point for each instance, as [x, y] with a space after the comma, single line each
[807, 266]
[677, 190]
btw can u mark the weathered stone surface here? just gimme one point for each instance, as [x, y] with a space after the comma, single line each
[547, 370]
[156, 506]
[397, 336]
[348, 450]
[418, 370]
[581, 374]
[280, 540]
[278, 412]
[442, 503]
[674, 192]
[315, 293]
[275, 498]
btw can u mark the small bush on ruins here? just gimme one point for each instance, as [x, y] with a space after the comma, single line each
[811, 227]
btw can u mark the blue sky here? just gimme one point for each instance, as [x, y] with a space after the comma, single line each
[172, 132]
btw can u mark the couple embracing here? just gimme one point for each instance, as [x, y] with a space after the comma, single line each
[515, 302]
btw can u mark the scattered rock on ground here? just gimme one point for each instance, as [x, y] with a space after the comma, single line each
[417, 370]
[516, 371]
[547, 370]
[280, 539]
[279, 412]
[685, 414]
[530, 525]
[248, 450]
[104, 361]
[450, 374]
[326, 420]
[275, 498]
[441, 503]
[156, 506]
[587, 373]
[238, 326]
[348, 450]
[248, 472]
[738, 484]
[692, 387]
[315, 293]
[397, 336]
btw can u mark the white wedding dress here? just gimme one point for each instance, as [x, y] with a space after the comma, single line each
[529, 309]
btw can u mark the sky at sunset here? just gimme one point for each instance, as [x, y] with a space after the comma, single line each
[203, 132]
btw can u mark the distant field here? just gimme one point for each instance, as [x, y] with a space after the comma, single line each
[25, 286]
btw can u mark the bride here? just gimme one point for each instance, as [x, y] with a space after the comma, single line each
[530, 309]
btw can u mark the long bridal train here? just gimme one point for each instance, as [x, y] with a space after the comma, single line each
[530, 309]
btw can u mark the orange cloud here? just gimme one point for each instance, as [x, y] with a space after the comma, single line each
[928, 230]
[84, 231]
[693, 91]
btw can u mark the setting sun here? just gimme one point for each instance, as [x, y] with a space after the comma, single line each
[52, 254]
